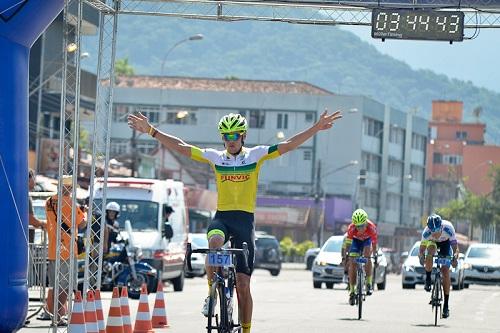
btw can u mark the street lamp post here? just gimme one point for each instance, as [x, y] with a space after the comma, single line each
[134, 136]
[320, 191]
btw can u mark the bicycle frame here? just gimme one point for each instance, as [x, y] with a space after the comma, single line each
[223, 285]
[437, 287]
[360, 283]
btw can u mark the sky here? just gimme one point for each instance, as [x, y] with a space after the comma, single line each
[476, 60]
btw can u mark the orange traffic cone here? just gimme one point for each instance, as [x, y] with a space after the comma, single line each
[98, 310]
[77, 322]
[127, 323]
[115, 324]
[143, 319]
[159, 317]
[90, 315]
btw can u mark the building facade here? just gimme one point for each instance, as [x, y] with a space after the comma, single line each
[384, 144]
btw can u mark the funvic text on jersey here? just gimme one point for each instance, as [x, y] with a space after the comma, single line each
[235, 178]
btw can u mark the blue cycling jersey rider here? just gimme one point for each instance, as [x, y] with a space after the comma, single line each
[438, 235]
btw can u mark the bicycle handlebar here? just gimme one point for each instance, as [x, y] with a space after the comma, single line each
[243, 251]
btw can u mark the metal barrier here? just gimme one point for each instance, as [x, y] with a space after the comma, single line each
[37, 272]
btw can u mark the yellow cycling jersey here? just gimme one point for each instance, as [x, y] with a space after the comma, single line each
[236, 176]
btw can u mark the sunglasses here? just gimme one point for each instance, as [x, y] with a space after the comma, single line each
[361, 226]
[231, 136]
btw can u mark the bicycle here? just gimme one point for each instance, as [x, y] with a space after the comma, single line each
[360, 295]
[437, 287]
[220, 319]
[360, 284]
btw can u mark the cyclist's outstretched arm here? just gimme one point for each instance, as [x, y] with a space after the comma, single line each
[325, 122]
[140, 123]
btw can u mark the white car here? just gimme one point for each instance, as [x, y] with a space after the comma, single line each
[413, 273]
[310, 256]
[198, 240]
[482, 264]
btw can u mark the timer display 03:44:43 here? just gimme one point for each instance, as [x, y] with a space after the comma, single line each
[418, 24]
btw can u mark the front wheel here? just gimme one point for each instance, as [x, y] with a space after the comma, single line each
[275, 272]
[134, 285]
[178, 282]
[317, 284]
[360, 293]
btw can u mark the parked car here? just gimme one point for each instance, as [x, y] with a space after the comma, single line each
[310, 256]
[327, 269]
[412, 273]
[198, 240]
[267, 253]
[482, 264]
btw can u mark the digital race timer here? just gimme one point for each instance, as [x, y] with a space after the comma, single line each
[418, 24]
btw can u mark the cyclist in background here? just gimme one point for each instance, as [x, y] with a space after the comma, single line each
[236, 170]
[438, 234]
[362, 239]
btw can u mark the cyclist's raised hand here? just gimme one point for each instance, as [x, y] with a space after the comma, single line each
[326, 120]
[139, 122]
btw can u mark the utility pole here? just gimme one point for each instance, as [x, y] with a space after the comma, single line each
[133, 144]
[317, 195]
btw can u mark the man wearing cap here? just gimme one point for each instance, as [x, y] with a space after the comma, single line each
[65, 237]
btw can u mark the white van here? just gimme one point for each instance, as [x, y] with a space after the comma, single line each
[143, 203]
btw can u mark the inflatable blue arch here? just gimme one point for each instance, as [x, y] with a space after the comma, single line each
[21, 23]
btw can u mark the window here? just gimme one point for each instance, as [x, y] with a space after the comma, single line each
[393, 201]
[307, 155]
[372, 127]
[255, 118]
[371, 198]
[371, 162]
[282, 121]
[452, 159]
[416, 205]
[418, 142]
[146, 147]
[437, 158]
[182, 117]
[461, 135]
[417, 173]
[395, 168]
[309, 117]
[150, 111]
[119, 147]
[120, 113]
[433, 133]
[396, 135]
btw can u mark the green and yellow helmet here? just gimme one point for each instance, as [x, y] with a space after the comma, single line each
[231, 123]
[359, 217]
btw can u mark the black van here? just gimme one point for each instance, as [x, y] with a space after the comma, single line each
[267, 253]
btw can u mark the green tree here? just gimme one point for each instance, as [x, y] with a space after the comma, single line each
[123, 68]
[480, 210]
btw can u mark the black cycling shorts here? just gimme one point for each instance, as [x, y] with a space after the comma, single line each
[239, 226]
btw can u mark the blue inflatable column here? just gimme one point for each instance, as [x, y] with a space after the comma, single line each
[21, 23]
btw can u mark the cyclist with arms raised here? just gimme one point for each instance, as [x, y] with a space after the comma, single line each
[362, 239]
[236, 169]
[438, 234]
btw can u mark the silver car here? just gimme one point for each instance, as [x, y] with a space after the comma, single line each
[197, 241]
[412, 273]
[482, 264]
[327, 269]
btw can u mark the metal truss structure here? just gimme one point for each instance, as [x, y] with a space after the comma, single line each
[318, 12]
[326, 13]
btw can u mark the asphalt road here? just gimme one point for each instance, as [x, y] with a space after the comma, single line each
[289, 303]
